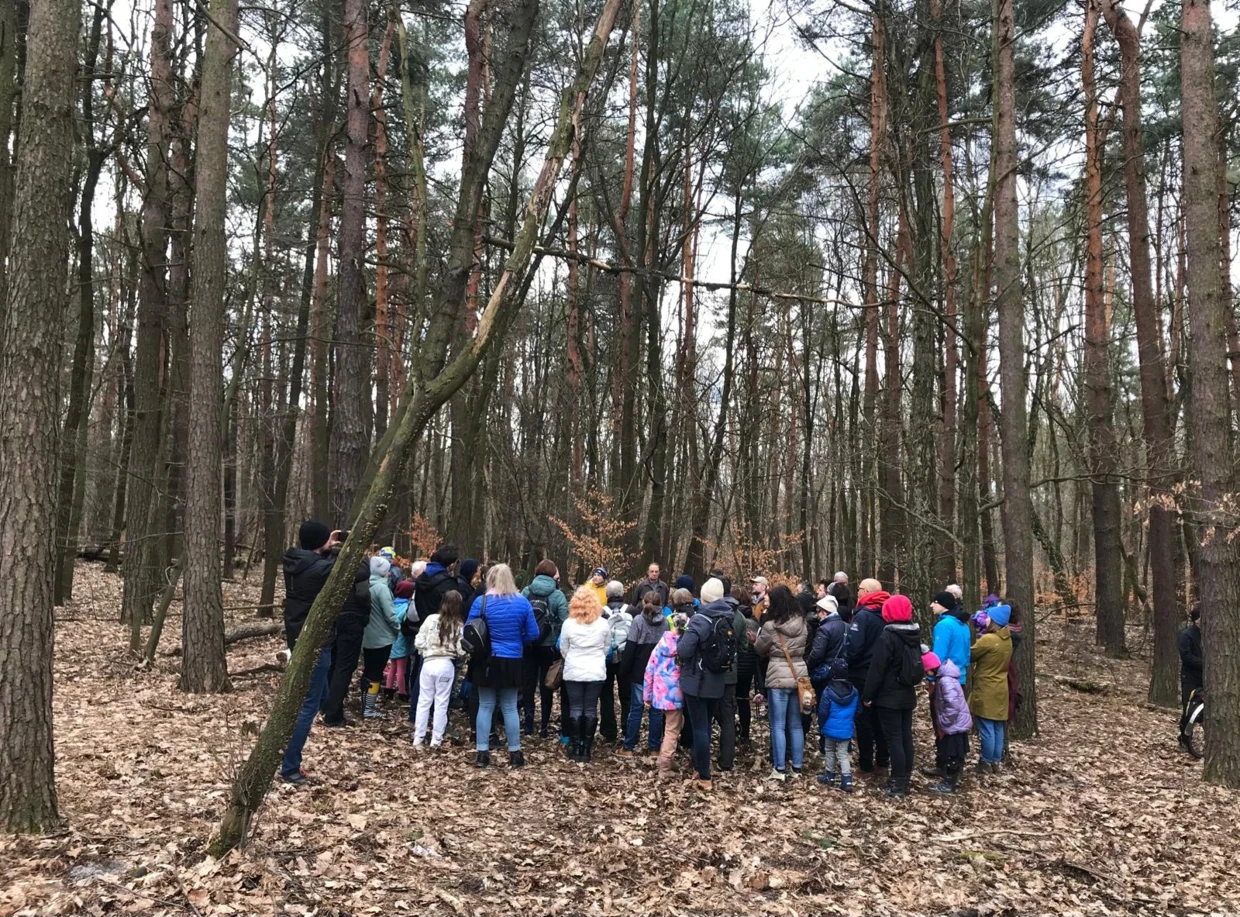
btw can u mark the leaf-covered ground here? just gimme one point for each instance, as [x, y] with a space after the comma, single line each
[1100, 815]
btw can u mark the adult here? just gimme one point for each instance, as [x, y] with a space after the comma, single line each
[685, 581]
[727, 707]
[843, 597]
[840, 577]
[652, 583]
[550, 610]
[759, 589]
[584, 641]
[704, 657]
[867, 626]
[597, 584]
[829, 641]
[806, 599]
[510, 627]
[347, 647]
[746, 664]
[952, 637]
[891, 685]
[821, 588]
[306, 568]
[1189, 644]
[467, 576]
[988, 699]
[619, 621]
[955, 590]
[647, 630]
[381, 632]
[782, 640]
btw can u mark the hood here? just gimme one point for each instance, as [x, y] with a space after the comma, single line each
[949, 669]
[667, 644]
[717, 609]
[841, 691]
[872, 600]
[897, 609]
[542, 586]
[958, 613]
[793, 627]
[431, 577]
[910, 634]
[299, 560]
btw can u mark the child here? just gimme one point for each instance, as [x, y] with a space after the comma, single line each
[837, 712]
[952, 720]
[395, 680]
[439, 642]
[661, 691]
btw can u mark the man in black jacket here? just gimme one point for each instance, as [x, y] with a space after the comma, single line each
[347, 648]
[867, 626]
[306, 568]
[1191, 679]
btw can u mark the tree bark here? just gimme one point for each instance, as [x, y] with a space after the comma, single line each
[28, 413]
[204, 666]
[1103, 448]
[1213, 449]
[349, 444]
[9, 89]
[255, 777]
[1013, 418]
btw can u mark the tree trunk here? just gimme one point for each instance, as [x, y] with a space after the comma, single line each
[204, 666]
[349, 445]
[1160, 458]
[9, 89]
[255, 777]
[28, 413]
[1103, 448]
[1017, 507]
[1212, 445]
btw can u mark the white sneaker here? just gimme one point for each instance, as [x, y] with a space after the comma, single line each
[778, 775]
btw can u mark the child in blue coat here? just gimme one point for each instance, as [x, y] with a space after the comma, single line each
[837, 711]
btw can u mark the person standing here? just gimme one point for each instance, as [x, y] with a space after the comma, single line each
[347, 647]
[891, 684]
[652, 583]
[782, 640]
[550, 610]
[726, 711]
[584, 640]
[746, 664]
[619, 622]
[306, 568]
[707, 650]
[439, 643]
[647, 629]
[598, 585]
[952, 638]
[867, 626]
[988, 699]
[1191, 677]
[498, 677]
[381, 632]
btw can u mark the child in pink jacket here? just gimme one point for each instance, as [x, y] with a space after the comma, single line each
[662, 691]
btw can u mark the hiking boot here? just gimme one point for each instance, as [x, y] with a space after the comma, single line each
[704, 785]
[483, 759]
[932, 771]
[827, 779]
[623, 753]
[342, 723]
[896, 789]
[588, 739]
[516, 758]
[846, 783]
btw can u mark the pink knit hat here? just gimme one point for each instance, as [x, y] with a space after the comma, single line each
[930, 662]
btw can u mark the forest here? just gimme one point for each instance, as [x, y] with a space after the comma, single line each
[933, 292]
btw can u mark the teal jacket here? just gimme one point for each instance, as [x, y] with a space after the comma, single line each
[544, 587]
[383, 627]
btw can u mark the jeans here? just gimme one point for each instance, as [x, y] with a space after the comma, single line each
[633, 731]
[583, 698]
[507, 698]
[991, 732]
[315, 695]
[871, 743]
[435, 690]
[785, 718]
[835, 759]
[345, 653]
[897, 726]
[726, 714]
[701, 712]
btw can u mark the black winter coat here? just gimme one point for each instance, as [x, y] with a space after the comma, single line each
[1189, 645]
[428, 591]
[863, 633]
[305, 573]
[882, 687]
[829, 638]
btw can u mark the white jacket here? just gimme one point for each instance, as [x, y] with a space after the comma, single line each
[428, 645]
[584, 648]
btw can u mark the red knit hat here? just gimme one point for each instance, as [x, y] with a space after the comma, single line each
[898, 610]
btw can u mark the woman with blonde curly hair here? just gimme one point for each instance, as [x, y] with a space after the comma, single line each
[584, 641]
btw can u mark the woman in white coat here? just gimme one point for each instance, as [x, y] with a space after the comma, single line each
[584, 640]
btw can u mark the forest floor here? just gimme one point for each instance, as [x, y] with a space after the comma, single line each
[1100, 814]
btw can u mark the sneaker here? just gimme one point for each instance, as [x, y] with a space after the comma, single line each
[846, 783]
[337, 724]
[932, 771]
[942, 788]
[796, 773]
[283, 657]
[704, 785]
[301, 778]
[778, 775]
[827, 779]
[483, 759]
[516, 758]
[623, 753]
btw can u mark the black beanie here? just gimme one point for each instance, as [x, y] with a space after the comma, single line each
[313, 535]
[947, 600]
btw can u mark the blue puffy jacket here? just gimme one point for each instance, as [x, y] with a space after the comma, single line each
[837, 708]
[510, 623]
[953, 641]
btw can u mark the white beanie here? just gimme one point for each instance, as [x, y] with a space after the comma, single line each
[712, 591]
[380, 566]
[829, 603]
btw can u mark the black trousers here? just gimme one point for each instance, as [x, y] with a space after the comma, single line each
[583, 698]
[950, 753]
[725, 713]
[373, 663]
[744, 709]
[607, 725]
[897, 729]
[536, 661]
[871, 742]
[345, 653]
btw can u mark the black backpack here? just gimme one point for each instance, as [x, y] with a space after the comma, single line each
[719, 648]
[542, 615]
[909, 671]
[476, 636]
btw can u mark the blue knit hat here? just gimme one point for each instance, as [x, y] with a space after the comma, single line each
[1000, 615]
[685, 581]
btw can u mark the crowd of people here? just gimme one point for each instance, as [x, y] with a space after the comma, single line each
[823, 669]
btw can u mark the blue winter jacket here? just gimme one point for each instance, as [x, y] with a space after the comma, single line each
[837, 708]
[510, 623]
[953, 641]
[399, 648]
